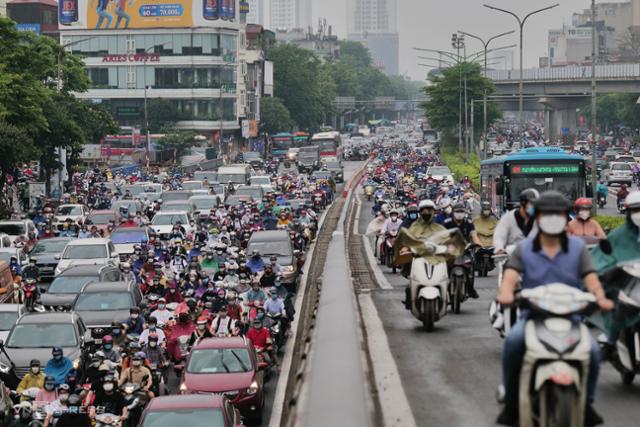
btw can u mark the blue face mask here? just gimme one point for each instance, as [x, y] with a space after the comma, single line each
[413, 216]
[116, 332]
[108, 347]
[530, 210]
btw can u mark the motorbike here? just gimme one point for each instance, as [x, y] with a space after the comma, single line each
[484, 261]
[136, 400]
[602, 200]
[158, 388]
[107, 420]
[181, 352]
[31, 294]
[626, 359]
[621, 206]
[368, 191]
[461, 278]
[554, 372]
[277, 329]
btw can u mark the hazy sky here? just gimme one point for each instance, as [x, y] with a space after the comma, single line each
[429, 24]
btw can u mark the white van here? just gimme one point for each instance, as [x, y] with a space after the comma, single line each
[236, 174]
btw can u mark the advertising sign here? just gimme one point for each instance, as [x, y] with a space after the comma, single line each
[122, 14]
[34, 28]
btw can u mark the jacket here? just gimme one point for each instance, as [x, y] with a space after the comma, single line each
[508, 232]
[58, 370]
[31, 380]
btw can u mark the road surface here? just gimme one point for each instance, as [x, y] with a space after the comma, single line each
[450, 376]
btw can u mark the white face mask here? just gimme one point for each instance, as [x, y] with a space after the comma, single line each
[108, 387]
[552, 224]
[458, 215]
[635, 218]
[584, 215]
[448, 210]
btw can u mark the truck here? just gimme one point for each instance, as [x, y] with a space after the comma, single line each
[308, 159]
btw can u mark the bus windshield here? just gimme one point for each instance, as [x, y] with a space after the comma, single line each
[568, 185]
[282, 142]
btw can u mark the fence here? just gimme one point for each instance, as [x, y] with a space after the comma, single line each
[603, 72]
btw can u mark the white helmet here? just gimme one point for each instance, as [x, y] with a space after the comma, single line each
[426, 204]
[633, 200]
[444, 202]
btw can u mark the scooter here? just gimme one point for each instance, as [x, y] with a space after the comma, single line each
[136, 400]
[626, 360]
[368, 191]
[484, 261]
[602, 200]
[553, 378]
[461, 276]
[389, 241]
[621, 206]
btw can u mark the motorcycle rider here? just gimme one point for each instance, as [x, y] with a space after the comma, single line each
[58, 366]
[392, 224]
[261, 339]
[48, 393]
[583, 225]
[110, 400]
[255, 263]
[162, 314]
[516, 224]
[24, 416]
[152, 328]
[33, 378]
[459, 220]
[445, 210]
[223, 324]
[139, 374]
[135, 323]
[602, 190]
[411, 217]
[550, 257]
[110, 353]
[485, 225]
[74, 416]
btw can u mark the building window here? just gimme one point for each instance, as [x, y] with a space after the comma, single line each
[99, 77]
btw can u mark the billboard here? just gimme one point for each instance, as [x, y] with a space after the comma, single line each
[135, 14]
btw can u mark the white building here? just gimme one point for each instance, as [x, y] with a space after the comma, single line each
[3, 7]
[290, 14]
[256, 13]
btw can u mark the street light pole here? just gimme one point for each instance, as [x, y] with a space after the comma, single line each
[457, 42]
[594, 107]
[484, 106]
[521, 22]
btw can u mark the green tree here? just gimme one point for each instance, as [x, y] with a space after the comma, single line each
[274, 116]
[16, 146]
[177, 140]
[162, 113]
[442, 108]
[355, 51]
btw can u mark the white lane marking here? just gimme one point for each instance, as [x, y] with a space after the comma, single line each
[356, 222]
[382, 281]
[396, 410]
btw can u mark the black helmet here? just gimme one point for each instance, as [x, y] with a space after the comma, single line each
[74, 400]
[529, 195]
[552, 201]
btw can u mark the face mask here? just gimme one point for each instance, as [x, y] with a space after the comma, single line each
[173, 291]
[161, 306]
[152, 327]
[117, 331]
[201, 327]
[49, 386]
[108, 347]
[584, 215]
[35, 370]
[486, 212]
[458, 215]
[635, 218]
[448, 210]
[137, 363]
[152, 344]
[57, 357]
[413, 215]
[552, 224]
[530, 210]
[274, 297]
[108, 387]
[427, 217]
[63, 397]
[394, 218]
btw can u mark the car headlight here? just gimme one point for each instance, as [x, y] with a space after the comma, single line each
[183, 388]
[291, 268]
[253, 388]
[5, 369]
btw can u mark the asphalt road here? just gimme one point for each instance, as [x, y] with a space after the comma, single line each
[450, 376]
[270, 386]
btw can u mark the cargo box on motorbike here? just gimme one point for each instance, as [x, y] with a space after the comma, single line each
[6, 282]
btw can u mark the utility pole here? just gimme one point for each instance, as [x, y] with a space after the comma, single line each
[521, 22]
[594, 109]
[457, 42]
[484, 106]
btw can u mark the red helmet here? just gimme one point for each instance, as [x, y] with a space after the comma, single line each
[107, 339]
[583, 203]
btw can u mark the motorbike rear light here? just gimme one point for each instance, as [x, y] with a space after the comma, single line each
[253, 388]
[561, 378]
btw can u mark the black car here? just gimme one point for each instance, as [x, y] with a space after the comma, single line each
[254, 159]
[44, 253]
[67, 285]
[33, 336]
[336, 169]
[101, 303]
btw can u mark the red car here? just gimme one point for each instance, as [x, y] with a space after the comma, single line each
[228, 366]
[193, 410]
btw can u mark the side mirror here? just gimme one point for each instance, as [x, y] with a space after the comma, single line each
[57, 256]
[499, 186]
[1, 343]
[115, 255]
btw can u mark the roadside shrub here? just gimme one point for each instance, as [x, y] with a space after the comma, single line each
[609, 222]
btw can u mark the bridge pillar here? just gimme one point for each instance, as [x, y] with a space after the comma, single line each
[561, 116]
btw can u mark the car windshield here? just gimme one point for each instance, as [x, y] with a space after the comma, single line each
[567, 185]
[69, 210]
[196, 185]
[175, 196]
[276, 247]
[439, 171]
[85, 252]
[69, 284]
[7, 320]
[100, 218]
[42, 335]
[208, 203]
[620, 167]
[226, 178]
[188, 417]
[124, 236]
[256, 193]
[169, 219]
[322, 175]
[49, 246]
[126, 204]
[262, 180]
[219, 361]
[100, 301]
[251, 155]
[12, 229]
[333, 165]
[176, 207]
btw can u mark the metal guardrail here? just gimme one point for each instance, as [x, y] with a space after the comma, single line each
[573, 73]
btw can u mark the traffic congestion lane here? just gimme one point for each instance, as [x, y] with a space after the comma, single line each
[270, 387]
[450, 376]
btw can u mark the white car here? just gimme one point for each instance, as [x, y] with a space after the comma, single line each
[261, 180]
[76, 213]
[164, 221]
[23, 228]
[441, 173]
[21, 256]
[96, 251]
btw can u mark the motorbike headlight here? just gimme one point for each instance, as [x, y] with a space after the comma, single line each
[183, 388]
[253, 388]
[4, 368]
[291, 268]
[129, 389]
[76, 364]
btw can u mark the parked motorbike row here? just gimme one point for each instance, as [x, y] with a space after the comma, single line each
[198, 281]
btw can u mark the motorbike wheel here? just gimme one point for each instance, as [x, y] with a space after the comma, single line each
[484, 267]
[557, 409]
[428, 311]
[627, 377]
[457, 294]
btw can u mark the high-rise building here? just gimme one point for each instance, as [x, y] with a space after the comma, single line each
[256, 12]
[373, 23]
[290, 14]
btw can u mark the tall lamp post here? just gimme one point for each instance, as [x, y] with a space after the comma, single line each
[147, 148]
[521, 22]
[457, 42]
[594, 105]
[484, 107]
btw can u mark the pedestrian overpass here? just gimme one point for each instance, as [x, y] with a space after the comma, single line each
[561, 91]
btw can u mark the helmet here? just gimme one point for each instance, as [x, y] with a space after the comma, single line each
[486, 204]
[529, 195]
[426, 204]
[583, 203]
[74, 400]
[394, 211]
[412, 208]
[458, 207]
[552, 201]
[633, 200]
[107, 339]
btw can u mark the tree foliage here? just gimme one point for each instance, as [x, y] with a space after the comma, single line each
[442, 108]
[274, 116]
[161, 114]
[178, 140]
[615, 110]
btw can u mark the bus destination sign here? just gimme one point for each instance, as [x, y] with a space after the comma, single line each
[545, 169]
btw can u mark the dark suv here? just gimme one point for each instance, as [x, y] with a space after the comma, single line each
[44, 253]
[67, 285]
[33, 336]
[101, 303]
